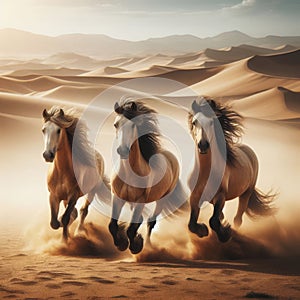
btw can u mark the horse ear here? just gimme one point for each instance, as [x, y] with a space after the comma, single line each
[118, 108]
[194, 106]
[61, 112]
[46, 116]
[133, 106]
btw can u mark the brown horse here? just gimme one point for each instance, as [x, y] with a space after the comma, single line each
[223, 170]
[77, 168]
[145, 173]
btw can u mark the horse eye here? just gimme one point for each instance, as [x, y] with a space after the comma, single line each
[58, 131]
[43, 130]
[116, 125]
[194, 122]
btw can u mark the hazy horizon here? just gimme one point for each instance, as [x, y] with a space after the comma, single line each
[140, 20]
[147, 38]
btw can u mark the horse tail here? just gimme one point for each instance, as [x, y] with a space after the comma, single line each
[261, 204]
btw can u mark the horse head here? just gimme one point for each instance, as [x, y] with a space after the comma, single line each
[52, 134]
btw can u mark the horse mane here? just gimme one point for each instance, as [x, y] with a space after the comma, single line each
[230, 121]
[147, 127]
[69, 119]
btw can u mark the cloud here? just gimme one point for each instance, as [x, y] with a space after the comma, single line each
[245, 3]
[242, 5]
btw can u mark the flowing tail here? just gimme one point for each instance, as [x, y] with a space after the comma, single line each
[261, 204]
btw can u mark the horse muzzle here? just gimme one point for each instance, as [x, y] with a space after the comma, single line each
[203, 146]
[49, 156]
[123, 152]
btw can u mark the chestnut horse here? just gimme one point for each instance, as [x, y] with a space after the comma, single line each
[77, 168]
[211, 123]
[145, 173]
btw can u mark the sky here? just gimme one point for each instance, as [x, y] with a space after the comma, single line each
[143, 19]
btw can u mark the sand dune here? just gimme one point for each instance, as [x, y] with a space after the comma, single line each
[191, 76]
[105, 71]
[24, 85]
[232, 54]
[281, 65]
[148, 72]
[51, 72]
[147, 62]
[183, 59]
[237, 80]
[274, 104]
[23, 66]
[73, 93]
[243, 51]
[72, 61]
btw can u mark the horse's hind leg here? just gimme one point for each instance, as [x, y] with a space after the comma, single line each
[84, 211]
[243, 204]
[119, 236]
[223, 232]
[151, 224]
[199, 229]
[136, 241]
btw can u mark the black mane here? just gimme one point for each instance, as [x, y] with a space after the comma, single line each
[147, 129]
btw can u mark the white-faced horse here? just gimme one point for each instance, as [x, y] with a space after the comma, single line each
[140, 178]
[237, 178]
[73, 173]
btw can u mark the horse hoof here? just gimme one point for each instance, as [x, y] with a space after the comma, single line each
[199, 229]
[122, 243]
[224, 234]
[54, 224]
[137, 245]
[237, 223]
[202, 230]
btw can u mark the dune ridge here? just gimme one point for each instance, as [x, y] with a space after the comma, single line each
[279, 65]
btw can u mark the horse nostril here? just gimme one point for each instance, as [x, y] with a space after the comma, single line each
[48, 156]
[203, 146]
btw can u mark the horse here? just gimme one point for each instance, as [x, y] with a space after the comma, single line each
[238, 176]
[77, 168]
[140, 178]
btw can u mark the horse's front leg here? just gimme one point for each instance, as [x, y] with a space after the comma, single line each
[199, 229]
[67, 216]
[118, 234]
[223, 231]
[54, 207]
[136, 240]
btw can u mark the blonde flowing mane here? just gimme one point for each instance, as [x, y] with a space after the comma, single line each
[69, 119]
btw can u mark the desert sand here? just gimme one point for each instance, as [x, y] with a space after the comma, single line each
[262, 260]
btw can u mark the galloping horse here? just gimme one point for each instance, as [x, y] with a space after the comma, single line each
[239, 173]
[140, 178]
[73, 173]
